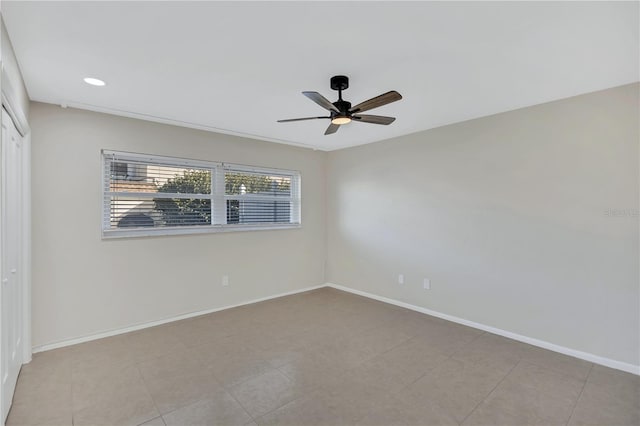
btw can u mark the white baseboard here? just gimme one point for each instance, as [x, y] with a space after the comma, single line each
[607, 362]
[619, 365]
[136, 327]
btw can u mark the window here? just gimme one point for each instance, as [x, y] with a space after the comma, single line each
[150, 195]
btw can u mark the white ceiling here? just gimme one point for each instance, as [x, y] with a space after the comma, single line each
[238, 67]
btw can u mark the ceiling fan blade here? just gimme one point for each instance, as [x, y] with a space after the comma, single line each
[378, 101]
[375, 119]
[321, 100]
[300, 119]
[332, 129]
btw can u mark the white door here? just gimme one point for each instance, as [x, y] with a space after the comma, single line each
[10, 254]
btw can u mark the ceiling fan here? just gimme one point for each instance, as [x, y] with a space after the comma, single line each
[341, 111]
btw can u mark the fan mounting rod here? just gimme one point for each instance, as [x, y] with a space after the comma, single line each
[340, 83]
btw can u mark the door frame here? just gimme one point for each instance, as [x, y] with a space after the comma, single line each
[19, 118]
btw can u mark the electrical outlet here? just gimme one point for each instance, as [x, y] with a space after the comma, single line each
[225, 280]
[426, 284]
[400, 279]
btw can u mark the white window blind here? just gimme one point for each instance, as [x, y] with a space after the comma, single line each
[152, 195]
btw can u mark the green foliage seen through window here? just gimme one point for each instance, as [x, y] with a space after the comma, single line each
[177, 212]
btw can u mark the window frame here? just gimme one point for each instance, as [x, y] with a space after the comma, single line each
[217, 197]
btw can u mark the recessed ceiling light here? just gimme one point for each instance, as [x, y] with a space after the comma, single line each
[94, 81]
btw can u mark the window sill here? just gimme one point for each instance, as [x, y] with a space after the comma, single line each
[209, 229]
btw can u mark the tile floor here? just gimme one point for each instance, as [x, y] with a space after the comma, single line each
[318, 358]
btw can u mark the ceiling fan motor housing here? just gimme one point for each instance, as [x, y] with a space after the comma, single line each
[343, 107]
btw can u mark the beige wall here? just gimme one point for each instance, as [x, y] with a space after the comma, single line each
[507, 217]
[84, 285]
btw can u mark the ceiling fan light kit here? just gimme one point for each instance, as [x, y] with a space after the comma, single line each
[341, 112]
[341, 120]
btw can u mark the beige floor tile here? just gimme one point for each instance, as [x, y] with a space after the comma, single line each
[39, 381]
[455, 387]
[352, 351]
[616, 381]
[154, 422]
[607, 404]
[232, 363]
[212, 351]
[267, 392]
[88, 384]
[280, 351]
[366, 318]
[175, 364]
[308, 410]
[152, 342]
[415, 350]
[529, 395]
[313, 371]
[47, 406]
[236, 319]
[257, 336]
[448, 337]
[47, 368]
[316, 408]
[112, 397]
[318, 358]
[546, 381]
[414, 323]
[177, 380]
[489, 340]
[568, 365]
[397, 412]
[198, 331]
[43, 390]
[513, 403]
[325, 334]
[399, 367]
[353, 399]
[102, 353]
[491, 351]
[218, 408]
